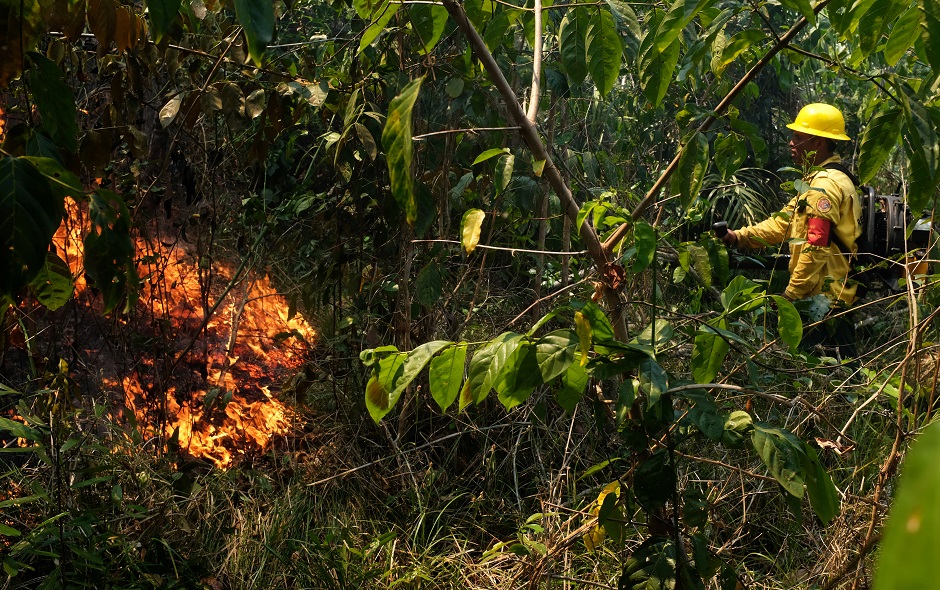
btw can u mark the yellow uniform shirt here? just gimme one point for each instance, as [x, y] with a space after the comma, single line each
[815, 269]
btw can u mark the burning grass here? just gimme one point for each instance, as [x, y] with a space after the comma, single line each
[200, 358]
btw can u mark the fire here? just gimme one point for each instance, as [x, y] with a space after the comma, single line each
[211, 392]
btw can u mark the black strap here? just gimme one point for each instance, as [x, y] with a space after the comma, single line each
[832, 234]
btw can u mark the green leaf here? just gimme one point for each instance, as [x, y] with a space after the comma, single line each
[380, 385]
[879, 138]
[603, 51]
[908, 549]
[257, 19]
[705, 415]
[428, 21]
[645, 236]
[708, 353]
[497, 31]
[687, 180]
[789, 323]
[572, 38]
[62, 182]
[504, 168]
[738, 44]
[626, 18]
[823, 495]
[163, 13]
[678, 17]
[109, 250]
[519, 375]
[486, 365]
[782, 453]
[53, 285]
[922, 148]
[931, 32]
[8, 531]
[555, 352]
[573, 383]
[656, 67]
[428, 286]
[903, 35]
[20, 430]
[55, 102]
[653, 381]
[480, 12]
[470, 227]
[654, 481]
[490, 153]
[652, 566]
[694, 508]
[379, 20]
[396, 139]
[30, 213]
[446, 375]
[876, 20]
[396, 372]
[730, 153]
[737, 426]
[804, 7]
[601, 327]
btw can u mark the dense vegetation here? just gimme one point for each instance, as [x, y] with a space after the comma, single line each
[462, 199]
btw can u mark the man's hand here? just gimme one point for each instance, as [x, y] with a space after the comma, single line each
[730, 238]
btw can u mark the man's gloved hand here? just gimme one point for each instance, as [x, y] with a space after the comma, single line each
[730, 238]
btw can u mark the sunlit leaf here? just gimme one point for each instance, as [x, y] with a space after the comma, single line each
[504, 168]
[657, 68]
[680, 14]
[573, 383]
[490, 153]
[53, 285]
[555, 353]
[789, 323]
[446, 375]
[782, 454]
[170, 109]
[741, 42]
[903, 35]
[379, 20]
[708, 353]
[396, 139]
[485, 366]
[519, 375]
[470, 227]
[908, 549]
[21, 25]
[585, 335]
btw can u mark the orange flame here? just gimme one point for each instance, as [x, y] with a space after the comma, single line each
[217, 402]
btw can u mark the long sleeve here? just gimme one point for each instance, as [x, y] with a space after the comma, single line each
[771, 231]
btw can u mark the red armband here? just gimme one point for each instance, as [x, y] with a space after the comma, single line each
[817, 233]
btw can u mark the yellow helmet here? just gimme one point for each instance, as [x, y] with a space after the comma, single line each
[820, 119]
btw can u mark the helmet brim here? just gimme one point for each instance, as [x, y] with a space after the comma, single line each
[810, 131]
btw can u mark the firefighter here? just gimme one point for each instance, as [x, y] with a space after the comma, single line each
[823, 223]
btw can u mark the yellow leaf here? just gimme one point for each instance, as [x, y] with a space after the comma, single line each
[470, 228]
[583, 327]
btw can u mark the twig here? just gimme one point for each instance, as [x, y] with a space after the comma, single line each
[468, 130]
[533, 109]
[513, 250]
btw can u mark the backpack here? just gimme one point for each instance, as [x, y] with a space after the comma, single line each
[884, 221]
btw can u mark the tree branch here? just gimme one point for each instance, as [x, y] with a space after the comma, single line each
[621, 231]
